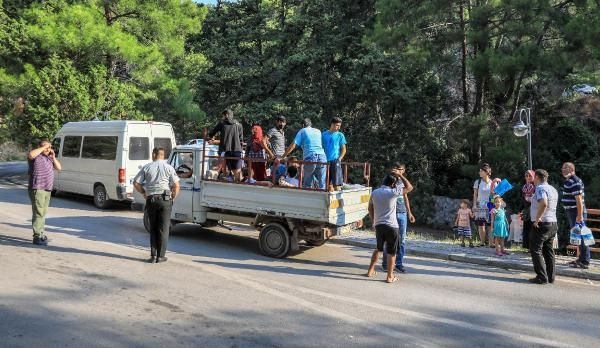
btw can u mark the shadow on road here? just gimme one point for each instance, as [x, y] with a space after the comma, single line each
[26, 243]
[16, 195]
[229, 250]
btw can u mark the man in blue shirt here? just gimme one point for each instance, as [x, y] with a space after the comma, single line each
[334, 143]
[309, 139]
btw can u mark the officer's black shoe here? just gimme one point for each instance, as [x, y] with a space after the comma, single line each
[152, 259]
[537, 280]
[40, 240]
[161, 259]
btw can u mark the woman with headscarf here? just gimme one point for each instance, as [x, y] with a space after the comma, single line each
[528, 191]
[256, 151]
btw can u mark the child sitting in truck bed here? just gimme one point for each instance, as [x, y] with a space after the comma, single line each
[289, 179]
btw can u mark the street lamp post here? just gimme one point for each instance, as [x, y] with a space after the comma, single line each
[521, 129]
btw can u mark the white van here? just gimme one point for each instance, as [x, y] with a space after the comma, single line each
[101, 158]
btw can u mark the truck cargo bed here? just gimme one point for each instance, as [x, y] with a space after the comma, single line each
[334, 208]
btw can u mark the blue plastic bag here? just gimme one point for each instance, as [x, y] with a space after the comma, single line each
[581, 233]
[503, 187]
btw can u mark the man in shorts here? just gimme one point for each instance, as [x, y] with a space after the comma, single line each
[382, 211]
[231, 136]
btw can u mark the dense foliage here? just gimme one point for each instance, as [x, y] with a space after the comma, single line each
[435, 84]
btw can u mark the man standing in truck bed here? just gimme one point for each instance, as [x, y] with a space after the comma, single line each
[230, 145]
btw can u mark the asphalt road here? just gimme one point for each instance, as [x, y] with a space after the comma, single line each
[91, 287]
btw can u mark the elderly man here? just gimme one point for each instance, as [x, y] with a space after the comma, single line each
[543, 216]
[574, 204]
[42, 164]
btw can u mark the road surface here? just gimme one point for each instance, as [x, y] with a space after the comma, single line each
[91, 287]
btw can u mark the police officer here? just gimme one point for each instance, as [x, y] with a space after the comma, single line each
[159, 184]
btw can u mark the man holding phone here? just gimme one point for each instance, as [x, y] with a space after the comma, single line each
[42, 163]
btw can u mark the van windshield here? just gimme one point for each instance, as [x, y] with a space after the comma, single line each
[139, 149]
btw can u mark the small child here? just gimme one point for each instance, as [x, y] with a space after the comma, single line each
[500, 225]
[463, 223]
[289, 180]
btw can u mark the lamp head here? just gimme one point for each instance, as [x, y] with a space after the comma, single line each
[520, 129]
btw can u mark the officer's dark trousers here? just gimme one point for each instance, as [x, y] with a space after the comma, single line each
[542, 254]
[159, 214]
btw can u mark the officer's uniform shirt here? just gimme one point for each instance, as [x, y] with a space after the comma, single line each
[157, 177]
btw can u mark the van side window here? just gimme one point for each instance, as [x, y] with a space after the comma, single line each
[71, 146]
[56, 146]
[139, 149]
[165, 143]
[100, 147]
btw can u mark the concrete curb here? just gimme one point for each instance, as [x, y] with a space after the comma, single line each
[478, 260]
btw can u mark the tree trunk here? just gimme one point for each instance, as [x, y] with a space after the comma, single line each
[465, 98]
[110, 61]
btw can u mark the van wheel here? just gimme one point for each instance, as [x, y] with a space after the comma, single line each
[100, 197]
[315, 243]
[274, 240]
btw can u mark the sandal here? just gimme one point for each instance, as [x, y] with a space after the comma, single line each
[505, 252]
[393, 280]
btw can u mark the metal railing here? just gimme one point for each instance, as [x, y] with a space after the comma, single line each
[366, 167]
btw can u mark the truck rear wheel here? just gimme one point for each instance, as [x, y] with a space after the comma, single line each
[274, 240]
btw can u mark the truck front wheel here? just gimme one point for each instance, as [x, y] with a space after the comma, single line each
[274, 240]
